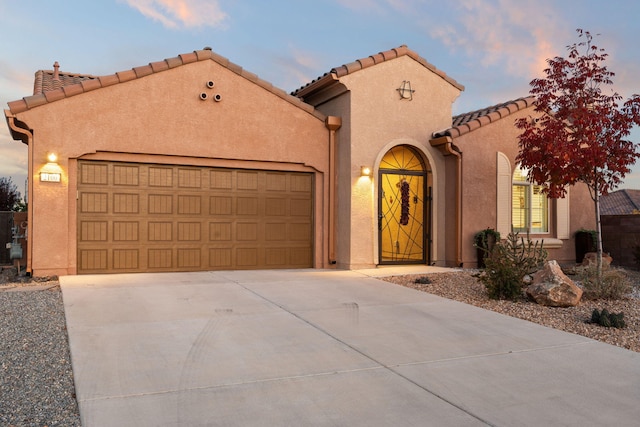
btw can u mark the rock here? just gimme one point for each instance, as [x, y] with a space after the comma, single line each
[591, 259]
[551, 287]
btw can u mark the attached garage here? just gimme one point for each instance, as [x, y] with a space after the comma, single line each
[135, 217]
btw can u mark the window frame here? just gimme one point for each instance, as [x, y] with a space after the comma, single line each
[520, 179]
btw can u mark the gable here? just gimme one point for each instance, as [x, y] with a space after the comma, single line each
[72, 85]
[333, 76]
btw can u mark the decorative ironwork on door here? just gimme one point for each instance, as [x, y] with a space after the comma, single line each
[403, 235]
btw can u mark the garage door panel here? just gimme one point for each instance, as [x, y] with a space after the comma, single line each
[160, 258]
[139, 217]
[126, 231]
[126, 175]
[160, 204]
[220, 231]
[94, 202]
[126, 203]
[126, 259]
[93, 231]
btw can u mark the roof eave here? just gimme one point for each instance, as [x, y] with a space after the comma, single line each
[33, 101]
[494, 116]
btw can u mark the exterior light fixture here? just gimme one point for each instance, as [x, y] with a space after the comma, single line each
[365, 171]
[405, 90]
[51, 172]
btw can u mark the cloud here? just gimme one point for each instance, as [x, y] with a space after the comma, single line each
[13, 83]
[517, 36]
[177, 14]
[296, 67]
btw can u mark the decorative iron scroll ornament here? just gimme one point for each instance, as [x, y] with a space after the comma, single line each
[404, 206]
[405, 90]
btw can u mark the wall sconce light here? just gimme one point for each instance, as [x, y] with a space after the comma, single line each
[51, 172]
[365, 171]
[405, 90]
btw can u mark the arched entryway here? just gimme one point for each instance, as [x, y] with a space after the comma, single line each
[404, 207]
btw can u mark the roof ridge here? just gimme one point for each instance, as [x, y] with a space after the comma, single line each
[628, 196]
[89, 83]
[467, 122]
[371, 60]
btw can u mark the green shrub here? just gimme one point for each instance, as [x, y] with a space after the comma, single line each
[606, 319]
[423, 280]
[614, 284]
[508, 263]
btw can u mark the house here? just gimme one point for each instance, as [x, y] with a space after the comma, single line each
[620, 202]
[193, 163]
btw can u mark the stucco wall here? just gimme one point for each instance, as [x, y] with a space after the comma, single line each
[161, 118]
[379, 120]
[479, 149]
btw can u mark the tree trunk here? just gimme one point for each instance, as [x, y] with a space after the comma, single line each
[599, 236]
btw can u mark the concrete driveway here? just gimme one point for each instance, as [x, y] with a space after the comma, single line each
[326, 348]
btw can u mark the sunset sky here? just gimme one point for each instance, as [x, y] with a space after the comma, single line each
[493, 47]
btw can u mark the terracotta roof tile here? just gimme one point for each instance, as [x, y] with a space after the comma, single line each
[46, 80]
[109, 80]
[173, 62]
[73, 90]
[621, 202]
[188, 58]
[35, 100]
[54, 95]
[18, 106]
[144, 70]
[372, 60]
[89, 85]
[467, 122]
[203, 54]
[51, 86]
[125, 76]
[159, 66]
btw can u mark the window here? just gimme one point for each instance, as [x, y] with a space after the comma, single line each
[529, 205]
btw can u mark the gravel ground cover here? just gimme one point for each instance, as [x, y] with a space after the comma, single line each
[36, 383]
[464, 287]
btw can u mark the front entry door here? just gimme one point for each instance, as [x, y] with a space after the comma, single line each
[403, 226]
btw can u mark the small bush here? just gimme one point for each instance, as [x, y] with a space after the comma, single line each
[614, 284]
[424, 280]
[508, 263]
[606, 319]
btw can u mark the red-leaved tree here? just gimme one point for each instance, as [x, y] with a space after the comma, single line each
[582, 134]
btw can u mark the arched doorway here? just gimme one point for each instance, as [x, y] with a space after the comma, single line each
[404, 207]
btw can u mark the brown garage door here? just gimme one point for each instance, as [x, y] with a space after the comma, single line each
[148, 217]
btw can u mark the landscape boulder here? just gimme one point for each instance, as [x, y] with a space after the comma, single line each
[551, 287]
[591, 259]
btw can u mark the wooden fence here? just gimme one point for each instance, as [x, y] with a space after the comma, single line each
[621, 239]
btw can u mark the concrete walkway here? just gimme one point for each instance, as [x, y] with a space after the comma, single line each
[326, 348]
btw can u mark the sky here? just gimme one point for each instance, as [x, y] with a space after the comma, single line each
[493, 47]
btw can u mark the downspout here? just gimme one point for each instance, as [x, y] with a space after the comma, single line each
[332, 123]
[446, 147]
[21, 132]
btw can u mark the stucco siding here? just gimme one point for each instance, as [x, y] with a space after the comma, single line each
[379, 119]
[479, 208]
[161, 118]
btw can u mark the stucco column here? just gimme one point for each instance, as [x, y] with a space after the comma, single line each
[332, 123]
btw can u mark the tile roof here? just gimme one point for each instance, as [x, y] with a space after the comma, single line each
[47, 80]
[370, 61]
[467, 122]
[48, 89]
[620, 202]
